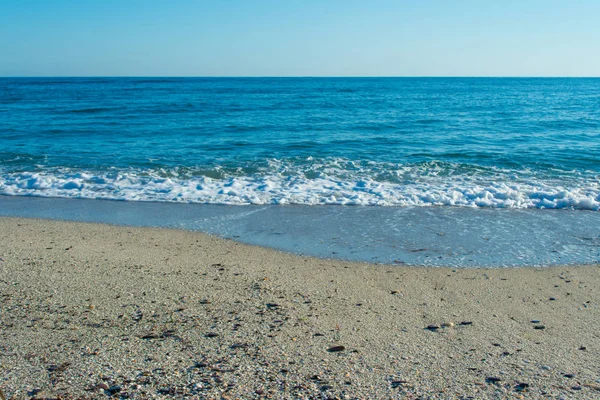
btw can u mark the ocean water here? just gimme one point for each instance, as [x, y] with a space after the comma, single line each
[487, 143]
[441, 172]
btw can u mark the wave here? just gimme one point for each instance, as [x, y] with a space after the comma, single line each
[313, 182]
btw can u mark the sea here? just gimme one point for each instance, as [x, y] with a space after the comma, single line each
[461, 172]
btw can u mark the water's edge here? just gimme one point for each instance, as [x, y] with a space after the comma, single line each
[426, 236]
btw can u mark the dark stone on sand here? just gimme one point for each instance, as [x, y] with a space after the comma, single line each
[211, 335]
[336, 349]
[466, 323]
[272, 306]
[520, 387]
[318, 334]
[398, 383]
[583, 348]
[539, 327]
[535, 321]
[432, 328]
[150, 336]
[569, 375]
[492, 379]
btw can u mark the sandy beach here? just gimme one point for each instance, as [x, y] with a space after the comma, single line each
[90, 311]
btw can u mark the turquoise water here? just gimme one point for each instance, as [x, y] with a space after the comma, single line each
[487, 143]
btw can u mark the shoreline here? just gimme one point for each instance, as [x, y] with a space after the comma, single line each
[92, 309]
[454, 237]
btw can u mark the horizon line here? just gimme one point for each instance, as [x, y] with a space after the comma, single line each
[309, 76]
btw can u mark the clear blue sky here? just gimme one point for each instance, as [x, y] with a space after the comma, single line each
[300, 38]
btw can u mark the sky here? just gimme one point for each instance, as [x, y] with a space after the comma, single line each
[299, 38]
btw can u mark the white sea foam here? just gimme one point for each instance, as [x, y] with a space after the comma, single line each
[340, 182]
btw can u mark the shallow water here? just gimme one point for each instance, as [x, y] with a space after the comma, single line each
[432, 236]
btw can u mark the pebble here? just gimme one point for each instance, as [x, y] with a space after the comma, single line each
[336, 349]
[492, 379]
[432, 327]
[539, 327]
[448, 324]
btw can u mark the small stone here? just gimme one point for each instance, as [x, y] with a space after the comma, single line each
[211, 335]
[535, 321]
[583, 348]
[466, 323]
[336, 349]
[91, 306]
[114, 389]
[521, 387]
[552, 298]
[103, 386]
[432, 327]
[448, 324]
[539, 327]
[569, 376]
[492, 379]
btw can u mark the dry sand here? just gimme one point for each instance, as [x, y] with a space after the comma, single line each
[92, 311]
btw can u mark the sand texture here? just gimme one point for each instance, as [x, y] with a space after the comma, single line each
[97, 311]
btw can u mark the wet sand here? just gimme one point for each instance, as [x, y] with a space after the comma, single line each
[90, 310]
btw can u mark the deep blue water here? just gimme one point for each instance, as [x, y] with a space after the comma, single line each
[489, 142]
